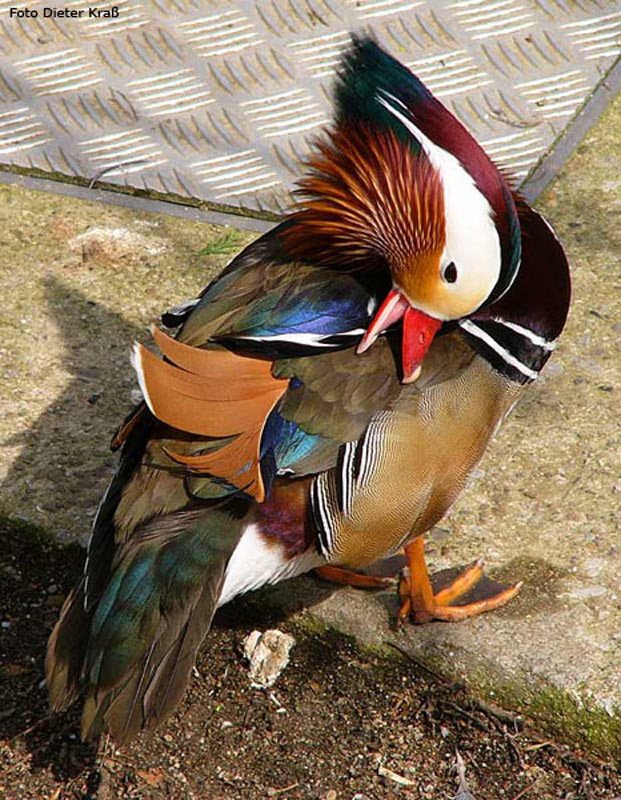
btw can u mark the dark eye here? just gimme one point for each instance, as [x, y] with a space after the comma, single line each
[449, 273]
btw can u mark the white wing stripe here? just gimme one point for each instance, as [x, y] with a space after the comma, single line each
[136, 362]
[378, 439]
[363, 456]
[370, 451]
[375, 450]
[311, 339]
[324, 511]
[185, 306]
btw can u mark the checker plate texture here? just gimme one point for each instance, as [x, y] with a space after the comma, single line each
[218, 100]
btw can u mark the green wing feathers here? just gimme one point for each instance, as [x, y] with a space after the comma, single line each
[338, 394]
[152, 618]
[127, 635]
[65, 651]
[149, 622]
[68, 643]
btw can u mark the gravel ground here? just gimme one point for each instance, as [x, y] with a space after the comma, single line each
[339, 723]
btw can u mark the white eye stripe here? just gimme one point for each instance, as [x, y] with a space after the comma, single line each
[527, 334]
[472, 239]
[443, 160]
[510, 359]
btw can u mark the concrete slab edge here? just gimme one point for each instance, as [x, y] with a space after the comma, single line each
[134, 202]
[550, 164]
[552, 710]
[534, 184]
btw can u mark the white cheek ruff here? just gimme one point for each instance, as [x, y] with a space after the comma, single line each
[472, 240]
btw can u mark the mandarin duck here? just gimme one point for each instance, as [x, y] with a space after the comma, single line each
[322, 403]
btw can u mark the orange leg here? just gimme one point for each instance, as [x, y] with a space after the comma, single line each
[348, 578]
[421, 604]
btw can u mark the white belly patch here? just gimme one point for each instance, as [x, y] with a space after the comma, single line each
[257, 561]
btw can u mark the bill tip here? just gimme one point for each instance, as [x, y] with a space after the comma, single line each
[414, 376]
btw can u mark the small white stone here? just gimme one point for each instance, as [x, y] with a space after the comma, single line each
[268, 655]
[593, 566]
[585, 592]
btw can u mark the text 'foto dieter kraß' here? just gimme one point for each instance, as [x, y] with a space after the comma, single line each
[93, 12]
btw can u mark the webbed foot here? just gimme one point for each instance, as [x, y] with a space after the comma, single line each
[450, 595]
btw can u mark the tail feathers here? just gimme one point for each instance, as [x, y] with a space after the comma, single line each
[66, 651]
[151, 619]
[151, 691]
[68, 643]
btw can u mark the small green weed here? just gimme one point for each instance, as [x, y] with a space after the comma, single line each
[227, 243]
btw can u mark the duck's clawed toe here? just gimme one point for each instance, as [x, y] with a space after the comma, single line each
[361, 580]
[456, 594]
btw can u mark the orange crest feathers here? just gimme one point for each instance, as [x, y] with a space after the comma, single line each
[368, 195]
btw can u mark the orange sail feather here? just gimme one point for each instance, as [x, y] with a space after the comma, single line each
[213, 393]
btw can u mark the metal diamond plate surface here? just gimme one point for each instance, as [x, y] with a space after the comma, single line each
[217, 101]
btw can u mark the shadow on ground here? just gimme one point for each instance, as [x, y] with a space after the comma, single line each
[65, 455]
[36, 574]
[65, 462]
[35, 577]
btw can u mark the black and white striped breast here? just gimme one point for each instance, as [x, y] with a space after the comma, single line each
[333, 493]
[513, 350]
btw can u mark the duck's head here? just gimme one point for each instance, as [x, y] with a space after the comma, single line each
[398, 182]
